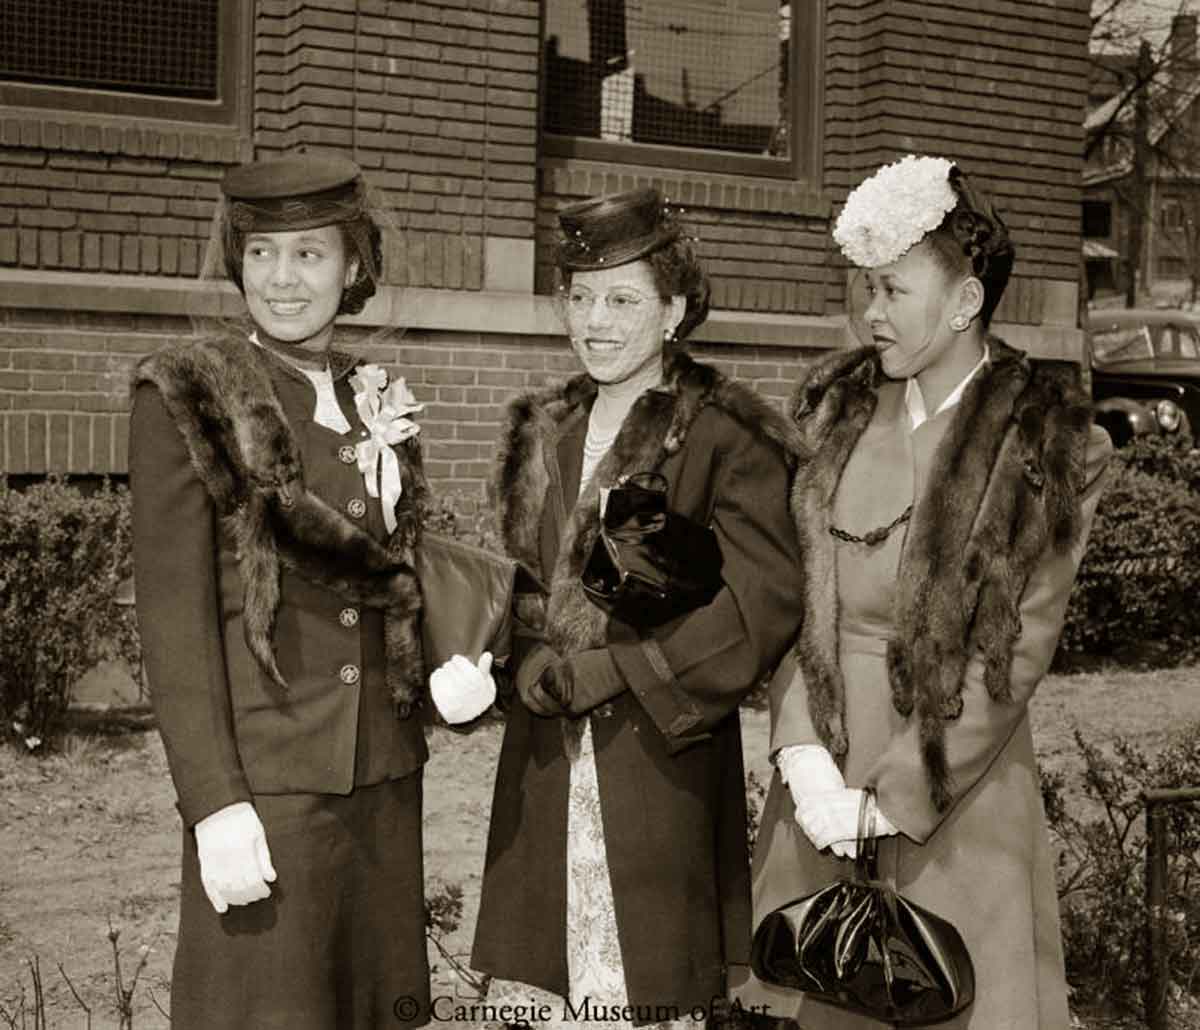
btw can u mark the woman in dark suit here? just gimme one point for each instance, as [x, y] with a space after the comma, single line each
[615, 890]
[277, 488]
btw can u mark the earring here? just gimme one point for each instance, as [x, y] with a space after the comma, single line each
[959, 322]
[668, 335]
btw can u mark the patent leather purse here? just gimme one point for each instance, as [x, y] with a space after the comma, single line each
[650, 565]
[859, 945]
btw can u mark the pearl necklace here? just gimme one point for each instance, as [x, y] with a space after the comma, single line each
[595, 445]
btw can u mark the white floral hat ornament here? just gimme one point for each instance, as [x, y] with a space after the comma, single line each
[891, 211]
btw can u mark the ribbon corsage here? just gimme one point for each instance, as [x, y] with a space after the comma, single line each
[383, 409]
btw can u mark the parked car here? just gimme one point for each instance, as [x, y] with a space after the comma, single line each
[1145, 370]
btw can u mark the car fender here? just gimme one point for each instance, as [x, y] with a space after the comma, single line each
[1124, 418]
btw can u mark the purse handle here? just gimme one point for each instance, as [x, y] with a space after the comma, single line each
[866, 867]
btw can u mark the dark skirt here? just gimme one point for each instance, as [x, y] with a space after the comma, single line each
[340, 943]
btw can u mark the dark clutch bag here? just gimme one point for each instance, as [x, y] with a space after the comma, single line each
[860, 945]
[649, 565]
[468, 599]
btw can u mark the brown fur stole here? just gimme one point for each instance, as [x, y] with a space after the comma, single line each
[219, 393]
[1004, 486]
[655, 428]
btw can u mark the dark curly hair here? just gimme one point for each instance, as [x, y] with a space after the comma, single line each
[677, 272]
[362, 239]
[973, 240]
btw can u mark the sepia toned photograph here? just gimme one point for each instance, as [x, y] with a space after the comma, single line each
[599, 514]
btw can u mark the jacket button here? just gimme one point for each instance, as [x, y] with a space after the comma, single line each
[357, 507]
[348, 617]
[349, 674]
[347, 454]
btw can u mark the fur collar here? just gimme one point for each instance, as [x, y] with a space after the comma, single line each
[1004, 486]
[655, 428]
[220, 394]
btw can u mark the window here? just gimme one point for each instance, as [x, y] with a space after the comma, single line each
[1097, 219]
[1172, 214]
[1171, 266]
[152, 58]
[730, 85]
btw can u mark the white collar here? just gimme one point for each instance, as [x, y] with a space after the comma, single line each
[915, 402]
[327, 411]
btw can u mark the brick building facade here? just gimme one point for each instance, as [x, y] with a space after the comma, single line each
[106, 197]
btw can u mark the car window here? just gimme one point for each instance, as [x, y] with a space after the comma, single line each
[1182, 341]
[1122, 343]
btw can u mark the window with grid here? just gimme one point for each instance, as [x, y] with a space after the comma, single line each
[167, 58]
[721, 83]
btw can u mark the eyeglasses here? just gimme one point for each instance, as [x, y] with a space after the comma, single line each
[622, 302]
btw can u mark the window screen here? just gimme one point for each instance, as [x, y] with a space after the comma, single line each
[709, 74]
[158, 47]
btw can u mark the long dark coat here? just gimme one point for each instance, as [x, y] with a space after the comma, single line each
[983, 859]
[668, 749]
[334, 775]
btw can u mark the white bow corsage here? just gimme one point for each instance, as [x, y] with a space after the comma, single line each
[383, 410]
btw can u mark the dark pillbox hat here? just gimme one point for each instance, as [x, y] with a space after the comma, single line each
[300, 192]
[615, 229]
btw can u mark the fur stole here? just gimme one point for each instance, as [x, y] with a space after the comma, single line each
[655, 428]
[219, 393]
[1004, 486]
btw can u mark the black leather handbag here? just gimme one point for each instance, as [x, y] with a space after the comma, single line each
[860, 945]
[650, 565]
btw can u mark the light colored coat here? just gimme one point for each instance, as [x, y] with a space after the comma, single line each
[985, 861]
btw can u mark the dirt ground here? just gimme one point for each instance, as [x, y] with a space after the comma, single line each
[89, 838]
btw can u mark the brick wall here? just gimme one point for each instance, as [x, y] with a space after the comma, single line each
[64, 388]
[999, 86]
[107, 201]
[438, 101]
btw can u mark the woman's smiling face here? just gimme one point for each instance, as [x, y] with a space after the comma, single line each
[617, 320]
[293, 282]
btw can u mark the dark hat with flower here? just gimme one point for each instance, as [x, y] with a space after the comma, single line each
[300, 192]
[613, 230]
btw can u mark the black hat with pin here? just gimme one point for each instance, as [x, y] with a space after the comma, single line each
[289, 193]
[613, 230]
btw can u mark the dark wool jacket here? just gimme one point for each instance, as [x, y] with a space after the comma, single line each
[275, 609]
[668, 750]
[1004, 488]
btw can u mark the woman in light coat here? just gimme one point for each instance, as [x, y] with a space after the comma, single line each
[943, 497]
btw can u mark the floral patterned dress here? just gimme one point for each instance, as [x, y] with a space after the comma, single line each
[596, 973]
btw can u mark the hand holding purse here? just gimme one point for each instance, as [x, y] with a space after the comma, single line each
[859, 945]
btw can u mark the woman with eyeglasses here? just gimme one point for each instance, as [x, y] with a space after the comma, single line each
[615, 891]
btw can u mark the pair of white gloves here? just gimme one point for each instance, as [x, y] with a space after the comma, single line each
[826, 809]
[235, 861]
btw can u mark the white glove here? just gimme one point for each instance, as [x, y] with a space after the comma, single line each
[830, 820]
[461, 690]
[808, 769]
[235, 863]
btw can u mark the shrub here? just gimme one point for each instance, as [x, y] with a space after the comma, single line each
[1134, 597]
[1102, 867]
[1165, 458]
[63, 553]
[463, 518]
